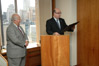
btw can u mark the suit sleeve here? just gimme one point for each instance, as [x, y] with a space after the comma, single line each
[26, 37]
[14, 39]
[48, 28]
[65, 25]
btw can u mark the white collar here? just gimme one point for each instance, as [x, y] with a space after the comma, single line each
[15, 25]
[56, 19]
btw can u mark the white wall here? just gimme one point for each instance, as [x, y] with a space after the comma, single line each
[69, 13]
[68, 8]
[45, 13]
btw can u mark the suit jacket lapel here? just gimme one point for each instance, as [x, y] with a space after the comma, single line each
[16, 28]
[22, 30]
[55, 23]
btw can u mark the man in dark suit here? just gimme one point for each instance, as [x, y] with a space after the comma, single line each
[56, 25]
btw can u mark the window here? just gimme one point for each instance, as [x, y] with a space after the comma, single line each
[8, 9]
[27, 10]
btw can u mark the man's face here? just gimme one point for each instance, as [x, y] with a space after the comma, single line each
[18, 19]
[57, 14]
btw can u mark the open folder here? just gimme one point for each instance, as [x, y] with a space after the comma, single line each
[70, 26]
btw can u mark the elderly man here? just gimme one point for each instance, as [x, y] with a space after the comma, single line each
[17, 41]
[56, 25]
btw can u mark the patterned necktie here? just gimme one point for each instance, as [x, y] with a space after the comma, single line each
[20, 31]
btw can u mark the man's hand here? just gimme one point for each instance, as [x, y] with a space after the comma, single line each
[56, 33]
[73, 27]
[26, 43]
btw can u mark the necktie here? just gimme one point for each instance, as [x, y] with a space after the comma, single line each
[20, 31]
[58, 23]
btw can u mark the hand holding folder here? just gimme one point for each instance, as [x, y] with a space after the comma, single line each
[70, 26]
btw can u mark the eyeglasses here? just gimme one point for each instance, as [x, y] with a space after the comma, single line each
[58, 12]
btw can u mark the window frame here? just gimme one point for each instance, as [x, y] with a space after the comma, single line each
[2, 43]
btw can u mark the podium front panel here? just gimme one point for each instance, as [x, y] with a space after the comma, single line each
[55, 50]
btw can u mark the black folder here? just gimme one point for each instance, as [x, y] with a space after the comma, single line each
[70, 26]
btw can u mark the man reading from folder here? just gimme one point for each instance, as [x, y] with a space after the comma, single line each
[56, 25]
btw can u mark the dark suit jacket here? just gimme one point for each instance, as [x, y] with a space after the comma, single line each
[51, 26]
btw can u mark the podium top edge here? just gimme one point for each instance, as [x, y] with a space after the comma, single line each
[55, 35]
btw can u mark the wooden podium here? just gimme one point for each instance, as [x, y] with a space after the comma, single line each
[55, 50]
